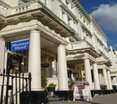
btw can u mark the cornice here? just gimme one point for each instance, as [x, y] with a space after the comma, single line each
[84, 50]
[5, 4]
[27, 27]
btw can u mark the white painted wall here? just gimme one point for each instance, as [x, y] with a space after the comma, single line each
[11, 2]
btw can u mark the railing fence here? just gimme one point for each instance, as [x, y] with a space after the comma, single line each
[11, 85]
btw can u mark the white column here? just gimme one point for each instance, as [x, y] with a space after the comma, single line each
[2, 54]
[96, 77]
[35, 59]
[109, 80]
[62, 68]
[54, 68]
[114, 81]
[88, 72]
[105, 78]
[5, 59]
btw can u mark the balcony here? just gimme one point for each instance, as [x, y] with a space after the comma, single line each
[37, 10]
[4, 9]
[82, 47]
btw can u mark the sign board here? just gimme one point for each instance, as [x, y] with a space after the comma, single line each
[19, 45]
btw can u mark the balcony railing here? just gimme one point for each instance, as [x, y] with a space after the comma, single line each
[80, 45]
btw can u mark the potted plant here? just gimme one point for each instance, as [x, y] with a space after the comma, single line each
[51, 88]
[70, 83]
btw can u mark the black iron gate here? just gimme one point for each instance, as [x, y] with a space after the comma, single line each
[11, 85]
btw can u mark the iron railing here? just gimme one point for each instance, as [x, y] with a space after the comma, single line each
[12, 85]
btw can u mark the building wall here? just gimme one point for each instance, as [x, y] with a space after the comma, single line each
[11, 2]
[113, 68]
[85, 32]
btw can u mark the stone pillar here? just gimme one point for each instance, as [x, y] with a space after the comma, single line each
[5, 58]
[109, 80]
[114, 81]
[35, 59]
[96, 77]
[88, 72]
[62, 68]
[2, 54]
[105, 78]
[54, 68]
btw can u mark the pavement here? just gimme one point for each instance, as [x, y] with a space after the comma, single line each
[106, 99]
[102, 99]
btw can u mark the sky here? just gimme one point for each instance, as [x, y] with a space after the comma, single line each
[105, 12]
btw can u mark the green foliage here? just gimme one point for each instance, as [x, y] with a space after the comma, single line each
[70, 83]
[51, 87]
[44, 79]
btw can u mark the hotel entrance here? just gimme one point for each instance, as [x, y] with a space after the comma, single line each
[17, 59]
[17, 56]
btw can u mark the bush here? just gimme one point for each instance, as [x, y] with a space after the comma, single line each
[71, 83]
[44, 79]
[51, 87]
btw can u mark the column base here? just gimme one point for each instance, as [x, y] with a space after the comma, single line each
[64, 94]
[40, 89]
[33, 97]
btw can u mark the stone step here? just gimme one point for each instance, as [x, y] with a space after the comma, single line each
[70, 102]
[54, 98]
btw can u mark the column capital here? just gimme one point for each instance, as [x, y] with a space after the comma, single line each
[36, 30]
[62, 44]
[88, 56]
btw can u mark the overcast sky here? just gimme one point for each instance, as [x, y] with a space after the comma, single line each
[105, 12]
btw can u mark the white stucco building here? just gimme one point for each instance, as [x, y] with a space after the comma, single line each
[62, 37]
[113, 68]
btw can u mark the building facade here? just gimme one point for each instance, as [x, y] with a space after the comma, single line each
[57, 41]
[113, 58]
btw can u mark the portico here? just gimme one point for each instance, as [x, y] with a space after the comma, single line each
[49, 30]
[86, 66]
[42, 39]
[104, 73]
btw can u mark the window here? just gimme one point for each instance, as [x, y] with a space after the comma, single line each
[67, 1]
[69, 20]
[84, 20]
[63, 13]
[72, 5]
[92, 75]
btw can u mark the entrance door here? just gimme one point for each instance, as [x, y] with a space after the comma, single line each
[17, 58]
